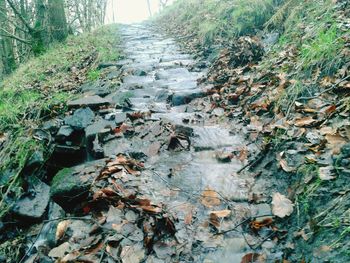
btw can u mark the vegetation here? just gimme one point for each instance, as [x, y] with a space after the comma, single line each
[305, 71]
[38, 89]
[215, 20]
[29, 27]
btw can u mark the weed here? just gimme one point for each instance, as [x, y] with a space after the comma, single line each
[93, 75]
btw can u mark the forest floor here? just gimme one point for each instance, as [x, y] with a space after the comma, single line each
[170, 166]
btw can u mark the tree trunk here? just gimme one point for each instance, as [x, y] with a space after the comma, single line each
[40, 32]
[57, 20]
[7, 54]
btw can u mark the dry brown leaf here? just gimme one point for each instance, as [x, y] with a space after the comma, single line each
[281, 205]
[61, 229]
[210, 198]
[257, 225]
[335, 142]
[253, 258]
[305, 122]
[221, 213]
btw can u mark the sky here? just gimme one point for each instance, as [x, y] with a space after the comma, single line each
[130, 11]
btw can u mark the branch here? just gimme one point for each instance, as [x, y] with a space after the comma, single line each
[8, 34]
[30, 29]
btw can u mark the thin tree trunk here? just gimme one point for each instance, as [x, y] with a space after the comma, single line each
[58, 21]
[7, 54]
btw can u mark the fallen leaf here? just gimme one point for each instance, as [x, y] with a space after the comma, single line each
[305, 122]
[257, 225]
[61, 229]
[210, 198]
[253, 258]
[281, 205]
[335, 142]
[221, 213]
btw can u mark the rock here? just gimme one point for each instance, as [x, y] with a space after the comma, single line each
[99, 128]
[106, 65]
[52, 125]
[47, 237]
[120, 118]
[162, 95]
[92, 102]
[97, 149]
[34, 203]
[64, 132]
[36, 160]
[180, 98]
[139, 72]
[80, 119]
[71, 183]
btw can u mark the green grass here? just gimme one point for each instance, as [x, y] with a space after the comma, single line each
[213, 20]
[38, 90]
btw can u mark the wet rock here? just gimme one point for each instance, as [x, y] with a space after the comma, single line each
[47, 237]
[180, 98]
[34, 203]
[80, 119]
[99, 128]
[106, 65]
[120, 118]
[97, 149]
[162, 95]
[64, 132]
[92, 102]
[52, 125]
[71, 183]
[36, 160]
[139, 72]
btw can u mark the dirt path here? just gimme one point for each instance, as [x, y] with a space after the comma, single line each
[166, 187]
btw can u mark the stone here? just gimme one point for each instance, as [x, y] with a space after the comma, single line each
[97, 128]
[36, 160]
[180, 98]
[120, 118]
[52, 125]
[34, 203]
[64, 132]
[92, 102]
[97, 149]
[139, 72]
[80, 119]
[72, 183]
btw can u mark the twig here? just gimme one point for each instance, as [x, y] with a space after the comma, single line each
[324, 91]
[239, 224]
[256, 160]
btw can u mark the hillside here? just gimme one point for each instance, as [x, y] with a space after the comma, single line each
[282, 69]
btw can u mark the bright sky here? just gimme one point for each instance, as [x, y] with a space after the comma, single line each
[130, 11]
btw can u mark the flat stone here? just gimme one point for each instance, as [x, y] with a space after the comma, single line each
[64, 132]
[180, 98]
[93, 102]
[33, 205]
[80, 119]
[120, 118]
[71, 183]
[97, 128]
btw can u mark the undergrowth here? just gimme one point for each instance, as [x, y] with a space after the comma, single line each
[213, 20]
[38, 90]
